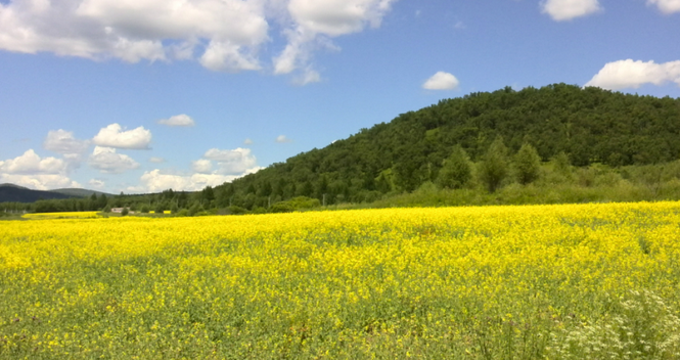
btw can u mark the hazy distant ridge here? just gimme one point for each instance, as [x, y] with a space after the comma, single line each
[16, 193]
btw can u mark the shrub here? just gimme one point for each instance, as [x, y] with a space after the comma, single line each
[237, 210]
[457, 170]
[282, 207]
[183, 212]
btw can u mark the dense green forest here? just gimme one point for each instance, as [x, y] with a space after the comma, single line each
[589, 126]
[559, 143]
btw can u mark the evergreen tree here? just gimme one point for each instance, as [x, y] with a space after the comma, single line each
[307, 189]
[527, 164]
[456, 170]
[495, 165]
[322, 187]
[266, 189]
[561, 164]
[208, 194]
[160, 207]
[102, 201]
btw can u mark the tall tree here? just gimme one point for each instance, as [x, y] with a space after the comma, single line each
[495, 167]
[456, 170]
[527, 164]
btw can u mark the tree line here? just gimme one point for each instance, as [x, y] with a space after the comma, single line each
[482, 142]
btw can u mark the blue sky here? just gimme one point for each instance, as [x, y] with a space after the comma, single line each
[146, 95]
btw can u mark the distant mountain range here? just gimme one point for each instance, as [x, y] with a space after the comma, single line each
[16, 193]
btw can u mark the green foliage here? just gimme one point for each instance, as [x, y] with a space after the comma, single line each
[145, 208]
[208, 194]
[640, 326]
[295, 204]
[457, 170]
[259, 210]
[124, 212]
[183, 213]
[195, 209]
[563, 122]
[574, 127]
[159, 207]
[237, 210]
[495, 166]
[527, 164]
[282, 207]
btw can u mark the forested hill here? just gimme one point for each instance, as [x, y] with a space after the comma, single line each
[589, 125]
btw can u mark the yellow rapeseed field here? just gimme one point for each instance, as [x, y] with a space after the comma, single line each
[588, 281]
[62, 215]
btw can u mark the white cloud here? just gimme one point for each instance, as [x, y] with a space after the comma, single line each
[247, 141]
[561, 10]
[225, 56]
[308, 76]
[314, 21]
[202, 166]
[223, 35]
[441, 81]
[63, 142]
[106, 160]
[156, 160]
[666, 6]
[134, 30]
[96, 183]
[178, 120]
[31, 164]
[629, 74]
[155, 180]
[232, 162]
[338, 17]
[41, 181]
[34, 172]
[283, 139]
[113, 136]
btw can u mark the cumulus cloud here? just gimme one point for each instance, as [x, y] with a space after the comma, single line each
[232, 162]
[441, 81]
[156, 180]
[29, 163]
[283, 139]
[114, 136]
[32, 171]
[178, 120]
[63, 142]
[315, 21]
[666, 6]
[223, 35]
[561, 10]
[230, 165]
[41, 181]
[202, 166]
[629, 74]
[106, 160]
[156, 160]
[135, 30]
[96, 183]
